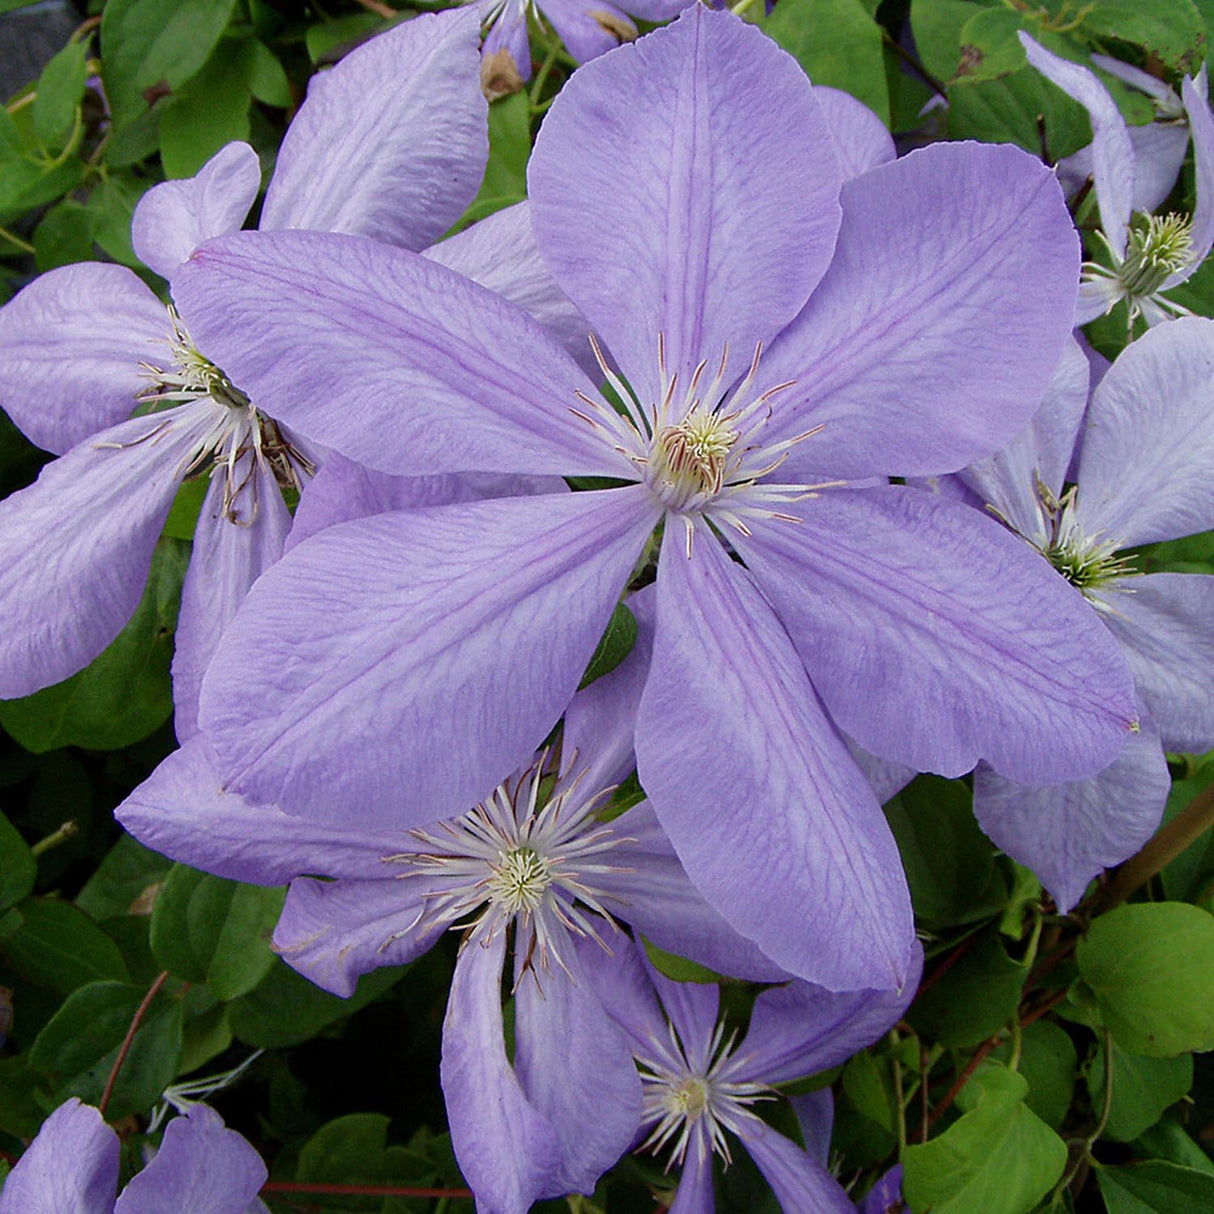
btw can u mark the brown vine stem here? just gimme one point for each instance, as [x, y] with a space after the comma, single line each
[360, 1190]
[970, 1067]
[946, 965]
[384, 10]
[124, 1049]
[1185, 829]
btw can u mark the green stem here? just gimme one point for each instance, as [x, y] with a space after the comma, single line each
[62, 835]
[541, 77]
[742, 6]
[12, 238]
[899, 1095]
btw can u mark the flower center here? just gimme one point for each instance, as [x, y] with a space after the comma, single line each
[688, 1099]
[1155, 252]
[690, 459]
[520, 880]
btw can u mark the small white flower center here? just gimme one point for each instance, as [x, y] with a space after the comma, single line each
[690, 459]
[520, 880]
[1156, 251]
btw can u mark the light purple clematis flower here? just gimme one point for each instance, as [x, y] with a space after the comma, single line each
[1162, 251]
[1141, 456]
[390, 144]
[885, 1197]
[536, 865]
[700, 1086]
[769, 341]
[72, 1168]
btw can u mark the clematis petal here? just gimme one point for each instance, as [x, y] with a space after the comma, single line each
[1201, 127]
[201, 1168]
[799, 1028]
[1163, 623]
[769, 815]
[71, 345]
[230, 554]
[1149, 441]
[438, 647]
[625, 988]
[507, 34]
[816, 1116]
[717, 162]
[507, 1150]
[693, 1008]
[589, 28]
[343, 490]
[333, 932]
[392, 143]
[175, 217]
[1112, 152]
[70, 1168]
[936, 637]
[1159, 152]
[797, 1179]
[183, 811]
[860, 138]
[955, 265]
[575, 1067]
[500, 253]
[695, 1192]
[1067, 833]
[885, 778]
[487, 388]
[75, 546]
[650, 890]
[1043, 451]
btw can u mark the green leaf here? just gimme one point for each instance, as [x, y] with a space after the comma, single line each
[285, 1008]
[204, 1037]
[212, 110]
[59, 93]
[1185, 877]
[123, 881]
[126, 692]
[838, 43]
[1143, 1088]
[505, 180]
[1170, 30]
[187, 506]
[868, 1089]
[58, 946]
[149, 44]
[999, 1158]
[264, 75]
[353, 1150]
[676, 968]
[18, 868]
[1155, 1188]
[76, 1050]
[1049, 1063]
[1167, 1140]
[1150, 967]
[206, 929]
[949, 862]
[330, 35]
[937, 26]
[977, 996]
[20, 1113]
[614, 645]
[112, 205]
[64, 236]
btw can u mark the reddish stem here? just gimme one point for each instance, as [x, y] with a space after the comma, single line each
[970, 1067]
[125, 1048]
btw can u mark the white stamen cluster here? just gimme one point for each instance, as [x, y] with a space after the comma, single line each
[685, 1103]
[1157, 247]
[228, 431]
[517, 859]
[699, 448]
[1089, 562]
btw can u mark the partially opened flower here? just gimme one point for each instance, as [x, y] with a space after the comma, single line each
[769, 343]
[1141, 455]
[534, 866]
[702, 1087]
[72, 1168]
[1157, 252]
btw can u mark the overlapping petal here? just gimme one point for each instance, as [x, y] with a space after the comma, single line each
[71, 1166]
[70, 348]
[770, 817]
[1066, 833]
[393, 360]
[933, 336]
[936, 637]
[393, 142]
[668, 185]
[201, 1168]
[175, 217]
[798, 1181]
[1163, 621]
[230, 554]
[575, 1066]
[75, 547]
[1136, 492]
[861, 140]
[506, 1149]
[589, 28]
[407, 663]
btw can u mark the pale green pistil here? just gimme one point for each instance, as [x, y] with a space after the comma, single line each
[691, 459]
[1155, 252]
[688, 1099]
[519, 880]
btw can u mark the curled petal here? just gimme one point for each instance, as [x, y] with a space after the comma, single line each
[860, 138]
